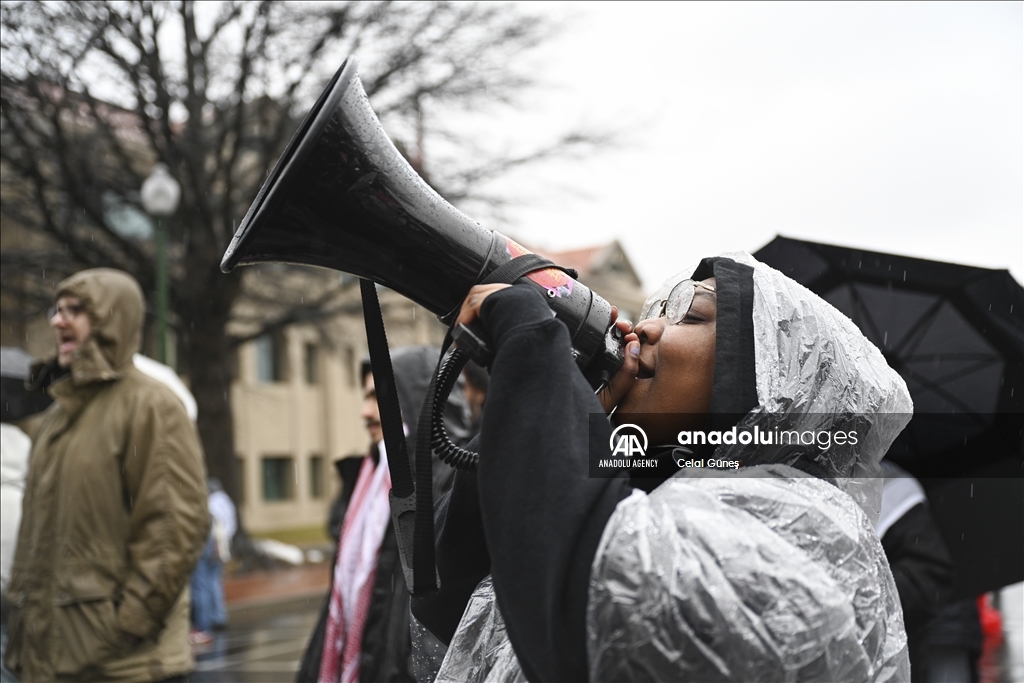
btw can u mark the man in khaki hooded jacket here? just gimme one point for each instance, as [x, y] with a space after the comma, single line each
[114, 513]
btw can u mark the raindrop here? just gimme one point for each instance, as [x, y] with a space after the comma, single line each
[972, 490]
[904, 276]
[885, 338]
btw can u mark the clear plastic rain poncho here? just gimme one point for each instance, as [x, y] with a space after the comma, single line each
[765, 574]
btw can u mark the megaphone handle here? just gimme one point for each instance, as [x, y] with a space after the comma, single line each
[472, 340]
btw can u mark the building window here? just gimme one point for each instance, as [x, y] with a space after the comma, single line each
[316, 476]
[278, 478]
[312, 363]
[270, 357]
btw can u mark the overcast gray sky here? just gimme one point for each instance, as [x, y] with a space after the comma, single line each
[891, 127]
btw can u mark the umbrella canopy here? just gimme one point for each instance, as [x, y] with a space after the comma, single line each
[956, 335]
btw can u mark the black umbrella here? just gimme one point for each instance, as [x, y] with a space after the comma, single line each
[956, 335]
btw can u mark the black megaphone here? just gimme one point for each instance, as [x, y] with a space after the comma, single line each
[342, 197]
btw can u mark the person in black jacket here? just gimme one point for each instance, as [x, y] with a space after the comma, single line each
[394, 647]
[944, 638]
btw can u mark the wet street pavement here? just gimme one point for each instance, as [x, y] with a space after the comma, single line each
[260, 645]
[271, 622]
[272, 617]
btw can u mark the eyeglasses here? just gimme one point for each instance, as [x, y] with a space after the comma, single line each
[67, 312]
[677, 304]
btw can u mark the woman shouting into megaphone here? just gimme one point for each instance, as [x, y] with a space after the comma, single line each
[772, 571]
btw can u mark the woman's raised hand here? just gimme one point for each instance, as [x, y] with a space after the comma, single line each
[471, 305]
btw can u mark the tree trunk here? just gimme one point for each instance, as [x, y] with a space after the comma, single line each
[208, 353]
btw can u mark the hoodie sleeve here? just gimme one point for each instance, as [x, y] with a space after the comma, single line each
[165, 482]
[542, 515]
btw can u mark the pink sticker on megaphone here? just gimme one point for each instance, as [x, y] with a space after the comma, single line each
[555, 281]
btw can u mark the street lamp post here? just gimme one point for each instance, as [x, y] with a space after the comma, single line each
[160, 195]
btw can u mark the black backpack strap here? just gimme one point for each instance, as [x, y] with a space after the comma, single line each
[403, 503]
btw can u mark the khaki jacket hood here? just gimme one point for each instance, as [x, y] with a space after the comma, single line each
[114, 303]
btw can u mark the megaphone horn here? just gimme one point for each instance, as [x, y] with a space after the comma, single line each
[342, 197]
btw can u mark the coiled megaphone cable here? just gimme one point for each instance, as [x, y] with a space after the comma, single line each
[450, 454]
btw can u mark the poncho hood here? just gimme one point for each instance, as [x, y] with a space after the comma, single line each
[790, 360]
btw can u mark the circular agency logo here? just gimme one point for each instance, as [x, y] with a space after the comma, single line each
[628, 440]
